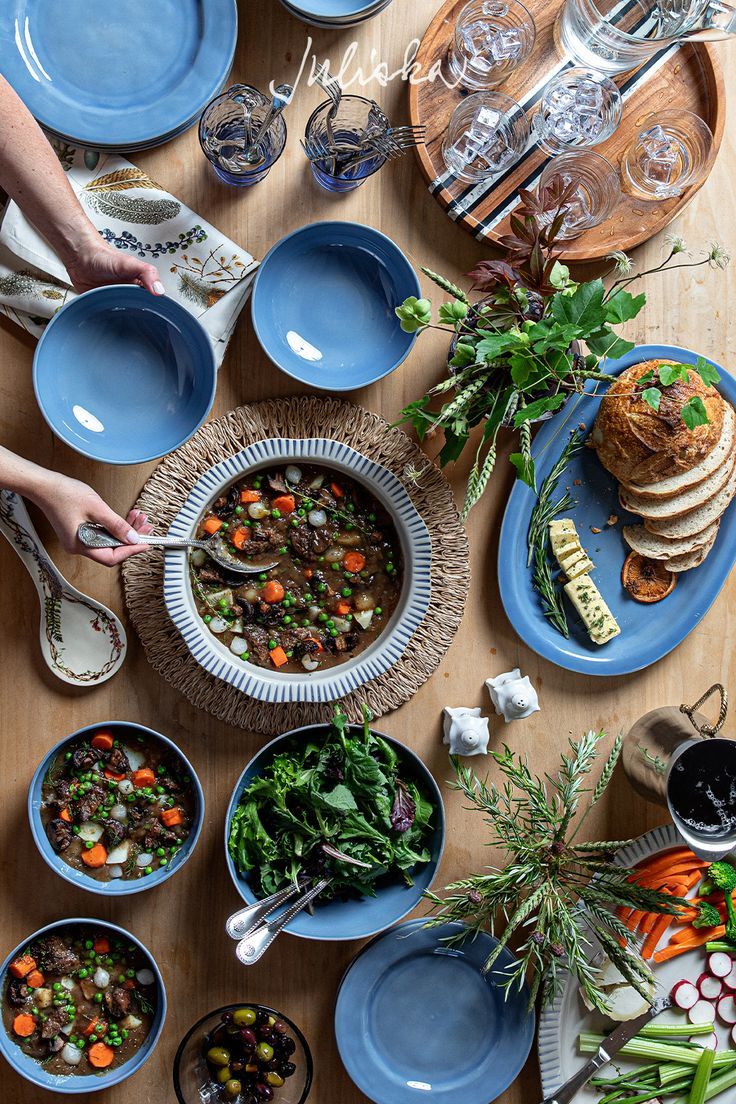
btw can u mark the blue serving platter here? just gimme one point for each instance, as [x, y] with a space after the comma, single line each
[418, 1020]
[648, 632]
[122, 81]
[123, 376]
[323, 305]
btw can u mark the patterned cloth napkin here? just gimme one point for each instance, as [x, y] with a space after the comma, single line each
[201, 268]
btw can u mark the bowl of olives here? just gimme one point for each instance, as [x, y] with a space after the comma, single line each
[243, 1054]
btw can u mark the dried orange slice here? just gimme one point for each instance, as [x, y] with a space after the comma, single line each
[646, 580]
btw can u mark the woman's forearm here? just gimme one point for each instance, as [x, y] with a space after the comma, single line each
[31, 174]
[23, 476]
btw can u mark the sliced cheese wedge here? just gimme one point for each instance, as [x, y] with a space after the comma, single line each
[562, 531]
[569, 552]
[577, 564]
[594, 613]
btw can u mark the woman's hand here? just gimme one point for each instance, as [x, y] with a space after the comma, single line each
[95, 263]
[68, 502]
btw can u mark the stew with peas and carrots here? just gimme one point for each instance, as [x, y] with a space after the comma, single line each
[337, 581]
[117, 807]
[79, 1001]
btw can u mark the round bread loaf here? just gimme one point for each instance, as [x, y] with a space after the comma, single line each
[640, 445]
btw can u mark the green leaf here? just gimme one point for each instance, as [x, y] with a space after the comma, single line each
[652, 397]
[584, 308]
[340, 799]
[524, 468]
[605, 343]
[539, 406]
[453, 446]
[452, 313]
[706, 371]
[464, 355]
[414, 314]
[669, 373]
[647, 377]
[493, 345]
[622, 306]
[694, 412]
[559, 275]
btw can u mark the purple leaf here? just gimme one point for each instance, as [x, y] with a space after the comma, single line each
[404, 809]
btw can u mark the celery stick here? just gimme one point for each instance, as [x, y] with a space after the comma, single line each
[671, 1071]
[720, 945]
[674, 1031]
[589, 1041]
[718, 1084]
[701, 1079]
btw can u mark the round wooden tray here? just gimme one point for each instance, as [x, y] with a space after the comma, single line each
[687, 76]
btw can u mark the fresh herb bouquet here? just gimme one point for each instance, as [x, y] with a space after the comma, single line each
[556, 894]
[517, 353]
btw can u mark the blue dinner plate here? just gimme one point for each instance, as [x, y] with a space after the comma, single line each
[323, 305]
[648, 632]
[124, 376]
[357, 13]
[140, 70]
[418, 1020]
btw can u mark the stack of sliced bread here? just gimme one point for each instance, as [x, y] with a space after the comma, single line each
[680, 481]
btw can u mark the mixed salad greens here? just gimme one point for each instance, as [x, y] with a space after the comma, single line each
[320, 804]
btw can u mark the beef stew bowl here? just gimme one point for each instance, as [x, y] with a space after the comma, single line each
[346, 570]
[83, 1006]
[399, 856]
[115, 808]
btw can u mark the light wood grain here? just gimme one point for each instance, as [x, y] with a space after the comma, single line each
[182, 922]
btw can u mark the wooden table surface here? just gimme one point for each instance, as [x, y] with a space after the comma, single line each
[182, 921]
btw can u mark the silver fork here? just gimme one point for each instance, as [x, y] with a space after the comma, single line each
[250, 949]
[333, 90]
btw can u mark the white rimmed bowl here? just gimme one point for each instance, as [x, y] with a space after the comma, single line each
[335, 682]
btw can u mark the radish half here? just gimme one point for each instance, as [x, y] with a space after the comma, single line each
[733, 1035]
[704, 1012]
[727, 1009]
[707, 1042]
[730, 980]
[720, 964]
[710, 987]
[685, 995]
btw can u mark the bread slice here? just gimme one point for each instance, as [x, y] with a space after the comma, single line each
[665, 509]
[656, 547]
[691, 559]
[683, 481]
[689, 525]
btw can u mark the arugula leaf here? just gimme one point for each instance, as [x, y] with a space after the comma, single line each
[605, 343]
[623, 306]
[694, 412]
[647, 377]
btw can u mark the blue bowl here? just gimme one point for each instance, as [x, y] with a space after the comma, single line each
[123, 376]
[76, 1083]
[118, 887]
[323, 305]
[354, 918]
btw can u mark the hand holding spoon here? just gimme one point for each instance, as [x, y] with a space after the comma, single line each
[95, 536]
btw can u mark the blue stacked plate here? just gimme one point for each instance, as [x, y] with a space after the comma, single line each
[335, 13]
[132, 80]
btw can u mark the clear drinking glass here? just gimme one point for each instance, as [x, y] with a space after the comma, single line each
[672, 152]
[579, 108]
[355, 118]
[226, 129]
[614, 37]
[491, 38]
[487, 133]
[597, 189]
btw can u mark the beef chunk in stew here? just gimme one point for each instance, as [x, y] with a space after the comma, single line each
[88, 803]
[117, 761]
[114, 834]
[59, 834]
[119, 1001]
[84, 758]
[54, 1022]
[17, 992]
[54, 956]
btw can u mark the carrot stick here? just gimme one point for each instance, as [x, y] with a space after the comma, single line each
[674, 949]
[635, 919]
[657, 931]
[703, 935]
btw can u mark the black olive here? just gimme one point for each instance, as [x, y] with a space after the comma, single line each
[262, 1017]
[288, 1046]
[288, 1069]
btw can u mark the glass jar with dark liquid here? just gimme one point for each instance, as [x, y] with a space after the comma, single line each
[701, 795]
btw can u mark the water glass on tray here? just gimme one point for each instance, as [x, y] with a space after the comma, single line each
[488, 132]
[491, 38]
[227, 128]
[578, 108]
[672, 152]
[595, 190]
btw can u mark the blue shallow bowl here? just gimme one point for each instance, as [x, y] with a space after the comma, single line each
[76, 1083]
[356, 918]
[417, 1020]
[123, 376]
[323, 305]
[118, 887]
[648, 632]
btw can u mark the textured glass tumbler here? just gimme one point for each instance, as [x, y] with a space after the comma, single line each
[672, 152]
[487, 133]
[491, 38]
[226, 129]
[579, 108]
[355, 118]
[597, 190]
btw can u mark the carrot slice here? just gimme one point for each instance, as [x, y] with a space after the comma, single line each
[103, 741]
[212, 524]
[342, 608]
[278, 656]
[22, 966]
[354, 562]
[101, 945]
[673, 949]
[35, 979]
[24, 1025]
[95, 857]
[143, 777]
[100, 1055]
[115, 777]
[657, 931]
[171, 817]
[635, 919]
[66, 816]
[240, 537]
[95, 1027]
[337, 490]
[250, 496]
[285, 503]
[273, 592]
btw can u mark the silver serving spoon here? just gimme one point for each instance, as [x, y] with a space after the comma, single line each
[95, 536]
[254, 946]
[280, 99]
[82, 641]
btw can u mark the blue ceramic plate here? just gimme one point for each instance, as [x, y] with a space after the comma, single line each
[323, 305]
[353, 918]
[78, 1083]
[417, 1020]
[648, 632]
[342, 13]
[118, 887]
[124, 376]
[142, 71]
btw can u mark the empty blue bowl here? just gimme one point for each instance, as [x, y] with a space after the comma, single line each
[323, 305]
[123, 376]
[117, 887]
[73, 1083]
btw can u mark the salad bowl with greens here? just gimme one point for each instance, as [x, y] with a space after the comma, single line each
[321, 795]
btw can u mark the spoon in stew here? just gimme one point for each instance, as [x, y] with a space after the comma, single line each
[95, 536]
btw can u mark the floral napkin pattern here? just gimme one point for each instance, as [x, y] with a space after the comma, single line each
[201, 268]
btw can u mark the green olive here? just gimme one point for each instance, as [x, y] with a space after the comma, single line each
[232, 1088]
[218, 1056]
[264, 1051]
[244, 1017]
[224, 1074]
[275, 1079]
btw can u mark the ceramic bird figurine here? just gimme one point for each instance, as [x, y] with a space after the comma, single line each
[466, 731]
[513, 695]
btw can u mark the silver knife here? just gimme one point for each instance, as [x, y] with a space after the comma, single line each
[608, 1049]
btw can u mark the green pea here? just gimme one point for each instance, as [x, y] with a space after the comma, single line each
[164, 862]
[275, 513]
[121, 978]
[335, 566]
[207, 618]
[68, 755]
[56, 986]
[245, 655]
[148, 870]
[378, 611]
[97, 998]
[75, 830]
[287, 620]
[81, 1044]
[283, 550]
[160, 852]
[262, 577]
[346, 592]
[295, 523]
[334, 632]
[130, 973]
[321, 616]
[238, 510]
[124, 1033]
